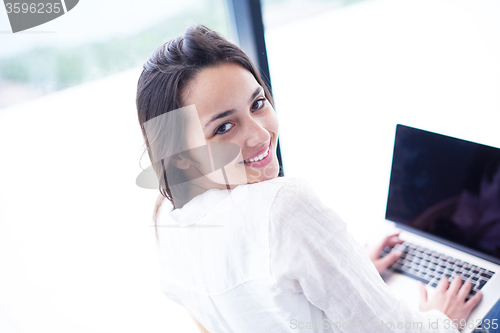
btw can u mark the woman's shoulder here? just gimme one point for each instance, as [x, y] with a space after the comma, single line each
[279, 182]
[262, 194]
[284, 193]
[293, 186]
[270, 189]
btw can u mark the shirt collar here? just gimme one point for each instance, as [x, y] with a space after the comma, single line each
[196, 208]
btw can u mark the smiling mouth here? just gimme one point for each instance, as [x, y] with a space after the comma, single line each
[260, 157]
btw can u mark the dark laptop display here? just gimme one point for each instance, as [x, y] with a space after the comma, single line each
[446, 189]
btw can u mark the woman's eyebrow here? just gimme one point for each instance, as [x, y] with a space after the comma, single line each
[230, 112]
[219, 116]
[255, 93]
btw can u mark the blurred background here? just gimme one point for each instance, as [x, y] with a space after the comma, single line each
[76, 239]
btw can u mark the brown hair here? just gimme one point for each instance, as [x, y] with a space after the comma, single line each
[165, 74]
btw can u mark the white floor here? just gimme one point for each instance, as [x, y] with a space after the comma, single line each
[76, 242]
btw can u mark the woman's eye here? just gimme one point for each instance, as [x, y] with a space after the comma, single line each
[223, 128]
[258, 104]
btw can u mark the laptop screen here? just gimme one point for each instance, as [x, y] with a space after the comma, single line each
[448, 188]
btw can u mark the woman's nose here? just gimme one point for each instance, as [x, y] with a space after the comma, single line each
[256, 133]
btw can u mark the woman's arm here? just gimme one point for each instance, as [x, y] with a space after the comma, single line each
[313, 253]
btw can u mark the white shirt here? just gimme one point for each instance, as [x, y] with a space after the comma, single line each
[270, 257]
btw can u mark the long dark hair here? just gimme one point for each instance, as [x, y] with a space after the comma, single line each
[165, 74]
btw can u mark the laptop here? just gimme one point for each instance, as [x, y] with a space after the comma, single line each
[444, 195]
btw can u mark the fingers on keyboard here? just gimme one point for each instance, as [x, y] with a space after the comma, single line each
[433, 267]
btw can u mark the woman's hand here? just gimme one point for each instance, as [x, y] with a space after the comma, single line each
[449, 298]
[374, 251]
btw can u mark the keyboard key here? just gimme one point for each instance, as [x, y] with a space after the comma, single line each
[481, 284]
[429, 267]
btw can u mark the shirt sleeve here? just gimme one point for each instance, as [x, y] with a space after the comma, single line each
[313, 253]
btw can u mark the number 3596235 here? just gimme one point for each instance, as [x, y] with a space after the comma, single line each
[33, 8]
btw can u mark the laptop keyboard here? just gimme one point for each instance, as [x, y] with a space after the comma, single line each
[430, 266]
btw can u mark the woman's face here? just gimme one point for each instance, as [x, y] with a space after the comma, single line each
[232, 108]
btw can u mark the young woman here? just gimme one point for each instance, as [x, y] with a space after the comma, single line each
[244, 250]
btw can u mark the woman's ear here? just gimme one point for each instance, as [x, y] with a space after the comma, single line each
[180, 162]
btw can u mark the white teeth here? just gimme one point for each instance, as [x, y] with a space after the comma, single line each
[258, 158]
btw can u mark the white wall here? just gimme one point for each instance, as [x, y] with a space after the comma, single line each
[343, 80]
[76, 238]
